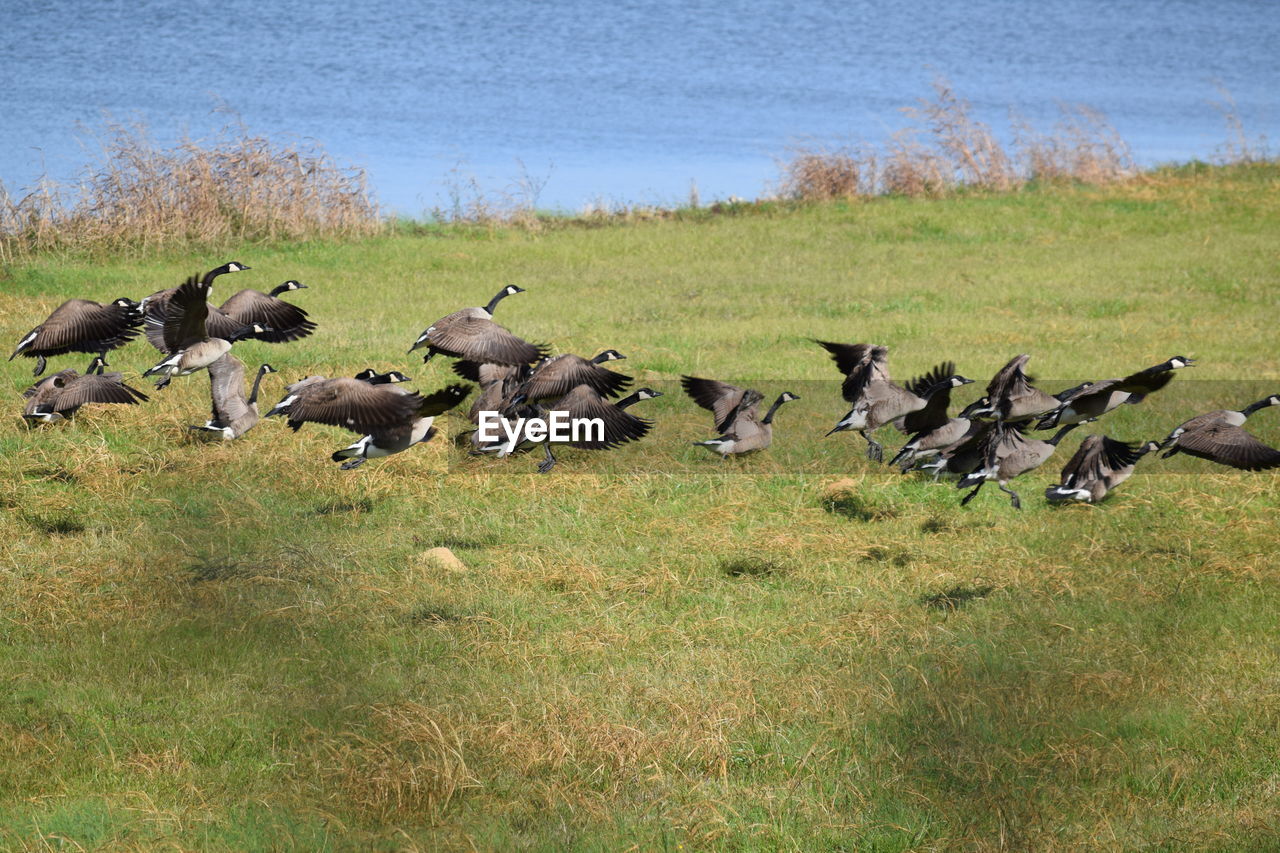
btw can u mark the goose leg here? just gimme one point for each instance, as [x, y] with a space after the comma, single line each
[1013, 499]
[352, 463]
[40, 365]
[973, 494]
[546, 464]
[875, 450]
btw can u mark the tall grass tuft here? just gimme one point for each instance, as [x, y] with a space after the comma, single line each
[944, 147]
[233, 188]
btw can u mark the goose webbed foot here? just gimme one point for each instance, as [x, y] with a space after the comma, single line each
[875, 450]
[965, 500]
[547, 464]
[1013, 497]
[164, 381]
[351, 463]
[40, 365]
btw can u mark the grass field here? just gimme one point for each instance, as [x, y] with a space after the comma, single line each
[238, 646]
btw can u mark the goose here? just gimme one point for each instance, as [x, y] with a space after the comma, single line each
[416, 430]
[878, 401]
[347, 402]
[1099, 465]
[1094, 400]
[554, 377]
[929, 428]
[585, 404]
[233, 413]
[1007, 453]
[61, 395]
[1220, 437]
[1011, 396]
[81, 325]
[287, 321]
[962, 456]
[471, 334]
[155, 310]
[737, 414]
[373, 377]
[186, 336]
[499, 385]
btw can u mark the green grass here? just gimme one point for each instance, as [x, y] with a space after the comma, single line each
[226, 647]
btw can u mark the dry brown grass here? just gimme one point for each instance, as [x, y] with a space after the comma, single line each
[233, 188]
[945, 147]
[409, 767]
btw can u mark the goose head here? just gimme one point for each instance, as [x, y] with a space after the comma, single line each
[608, 355]
[1178, 362]
[286, 287]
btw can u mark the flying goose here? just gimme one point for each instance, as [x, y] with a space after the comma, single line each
[929, 428]
[554, 377]
[737, 414]
[373, 377]
[470, 333]
[155, 310]
[1096, 399]
[346, 402]
[61, 395]
[1098, 466]
[584, 403]
[416, 430]
[1007, 454]
[286, 321]
[1011, 396]
[1220, 437]
[878, 401]
[233, 413]
[186, 336]
[80, 325]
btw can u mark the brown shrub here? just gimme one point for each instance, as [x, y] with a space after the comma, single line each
[233, 188]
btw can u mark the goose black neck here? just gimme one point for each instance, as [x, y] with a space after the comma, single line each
[257, 382]
[768, 418]
[1057, 436]
[279, 289]
[601, 358]
[214, 273]
[493, 303]
[629, 400]
[241, 333]
[1253, 407]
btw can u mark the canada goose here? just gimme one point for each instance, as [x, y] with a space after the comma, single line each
[373, 377]
[346, 402]
[79, 325]
[1219, 437]
[1007, 454]
[470, 333]
[187, 338]
[878, 401]
[155, 309]
[1096, 399]
[584, 403]
[1098, 466]
[554, 377]
[929, 428]
[416, 430]
[61, 395]
[233, 414]
[737, 414]
[961, 456]
[1011, 396]
[286, 321]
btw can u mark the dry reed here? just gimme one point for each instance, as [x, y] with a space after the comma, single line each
[233, 188]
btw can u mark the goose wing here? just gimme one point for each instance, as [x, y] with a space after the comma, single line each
[226, 390]
[81, 325]
[1011, 380]
[287, 321]
[1229, 445]
[861, 364]
[185, 315]
[480, 339]
[558, 376]
[620, 426]
[351, 404]
[1147, 381]
[726, 402]
[934, 413]
[107, 388]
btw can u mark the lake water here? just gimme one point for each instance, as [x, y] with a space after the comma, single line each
[614, 102]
